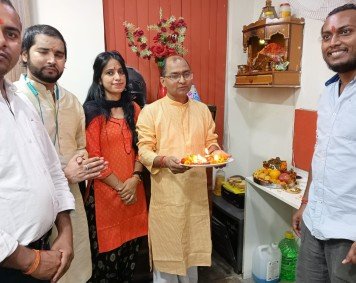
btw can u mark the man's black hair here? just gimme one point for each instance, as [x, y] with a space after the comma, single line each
[342, 8]
[8, 3]
[30, 33]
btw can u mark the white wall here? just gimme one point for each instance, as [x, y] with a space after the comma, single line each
[314, 70]
[259, 122]
[237, 129]
[82, 26]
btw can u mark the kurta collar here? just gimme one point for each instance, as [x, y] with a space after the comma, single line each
[10, 87]
[336, 78]
[41, 88]
[176, 103]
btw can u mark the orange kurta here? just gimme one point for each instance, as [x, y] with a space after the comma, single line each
[116, 222]
[179, 223]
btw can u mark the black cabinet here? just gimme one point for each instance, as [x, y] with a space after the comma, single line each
[227, 232]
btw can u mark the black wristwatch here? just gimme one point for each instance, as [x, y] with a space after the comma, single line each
[138, 173]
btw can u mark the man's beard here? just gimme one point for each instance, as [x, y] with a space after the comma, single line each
[343, 67]
[38, 73]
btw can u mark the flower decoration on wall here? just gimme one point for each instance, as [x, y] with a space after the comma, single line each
[167, 41]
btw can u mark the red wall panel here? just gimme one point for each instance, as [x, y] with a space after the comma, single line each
[304, 138]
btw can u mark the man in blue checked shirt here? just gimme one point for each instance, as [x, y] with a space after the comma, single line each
[326, 219]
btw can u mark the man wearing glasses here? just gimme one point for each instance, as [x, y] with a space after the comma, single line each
[169, 129]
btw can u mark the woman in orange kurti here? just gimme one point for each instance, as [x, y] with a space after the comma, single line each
[116, 208]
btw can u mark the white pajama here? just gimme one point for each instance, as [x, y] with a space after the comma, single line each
[163, 277]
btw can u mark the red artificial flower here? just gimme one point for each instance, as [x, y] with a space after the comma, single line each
[138, 32]
[171, 52]
[143, 46]
[172, 26]
[163, 29]
[160, 51]
[181, 23]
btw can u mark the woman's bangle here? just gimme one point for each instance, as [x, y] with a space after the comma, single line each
[304, 201]
[161, 163]
[35, 263]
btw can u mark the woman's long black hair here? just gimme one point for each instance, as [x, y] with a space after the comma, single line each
[96, 104]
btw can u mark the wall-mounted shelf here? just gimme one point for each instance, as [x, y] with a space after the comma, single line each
[260, 70]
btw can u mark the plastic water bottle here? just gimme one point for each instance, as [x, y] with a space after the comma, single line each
[289, 249]
[266, 264]
[219, 179]
[193, 93]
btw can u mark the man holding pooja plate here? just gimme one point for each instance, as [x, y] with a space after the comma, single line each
[168, 130]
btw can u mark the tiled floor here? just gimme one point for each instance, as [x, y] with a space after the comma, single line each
[219, 272]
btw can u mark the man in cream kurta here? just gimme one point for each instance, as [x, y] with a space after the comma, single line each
[63, 116]
[179, 222]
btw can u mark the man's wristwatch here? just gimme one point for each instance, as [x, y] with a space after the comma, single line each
[138, 174]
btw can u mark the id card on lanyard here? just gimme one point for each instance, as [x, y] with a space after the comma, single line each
[35, 92]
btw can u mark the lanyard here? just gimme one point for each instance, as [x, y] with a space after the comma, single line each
[36, 94]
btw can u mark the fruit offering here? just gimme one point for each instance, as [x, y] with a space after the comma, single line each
[275, 163]
[274, 173]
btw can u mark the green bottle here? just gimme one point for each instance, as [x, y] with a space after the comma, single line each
[289, 250]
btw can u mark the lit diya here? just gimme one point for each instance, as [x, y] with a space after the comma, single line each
[208, 159]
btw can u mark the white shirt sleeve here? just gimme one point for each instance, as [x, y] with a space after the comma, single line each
[7, 245]
[62, 192]
[30, 154]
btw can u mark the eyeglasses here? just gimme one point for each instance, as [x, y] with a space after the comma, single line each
[175, 77]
